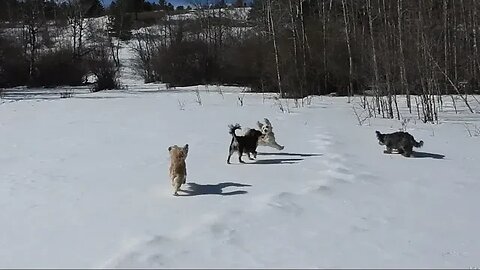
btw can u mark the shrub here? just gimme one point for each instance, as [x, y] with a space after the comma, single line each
[183, 63]
[102, 65]
[57, 68]
[13, 65]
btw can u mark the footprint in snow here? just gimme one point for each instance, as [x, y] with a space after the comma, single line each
[285, 202]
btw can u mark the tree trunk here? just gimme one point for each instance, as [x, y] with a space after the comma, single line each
[275, 48]
[374, 55]
[350, 60]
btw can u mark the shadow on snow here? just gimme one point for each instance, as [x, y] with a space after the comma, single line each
[213, 189]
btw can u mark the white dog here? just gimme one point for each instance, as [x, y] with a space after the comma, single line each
[268, 137]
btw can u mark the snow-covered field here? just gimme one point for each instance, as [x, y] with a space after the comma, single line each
[84, 184]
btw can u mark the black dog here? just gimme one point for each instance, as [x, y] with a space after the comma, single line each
[243, 144]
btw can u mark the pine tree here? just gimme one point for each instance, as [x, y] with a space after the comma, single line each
[92, 8]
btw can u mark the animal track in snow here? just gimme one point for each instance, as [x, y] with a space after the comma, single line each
[285, 202]
[147, 254]
[321, 189]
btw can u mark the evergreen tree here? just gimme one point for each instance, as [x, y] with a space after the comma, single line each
[92, 8]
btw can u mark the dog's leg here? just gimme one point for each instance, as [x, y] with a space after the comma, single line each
[230, 152]
[407, 152]
[177, 182]
[184, 174]
[278, 146]
[270, 141]
[240, 153]
[388, 150]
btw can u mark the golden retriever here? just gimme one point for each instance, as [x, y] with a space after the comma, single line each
[178, 167]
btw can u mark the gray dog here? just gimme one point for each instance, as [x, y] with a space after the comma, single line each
[403, 142]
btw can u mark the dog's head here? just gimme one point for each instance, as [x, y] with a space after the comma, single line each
[380, 137]
[265, 128]
[178, 152]
[254, 133]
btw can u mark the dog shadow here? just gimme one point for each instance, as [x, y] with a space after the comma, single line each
[416, 154]
[289, 154]
[277, 161]
[214, 189]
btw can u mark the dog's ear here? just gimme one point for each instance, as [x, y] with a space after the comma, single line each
[267, 121]
[185, 148]
[172, 147]
[260, 125]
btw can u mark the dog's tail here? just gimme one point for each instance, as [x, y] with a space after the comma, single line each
[233, 128]
[232, 132]
[417, 144]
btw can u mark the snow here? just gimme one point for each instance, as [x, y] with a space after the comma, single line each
[237, 13]
[84, 182]
[85, 185]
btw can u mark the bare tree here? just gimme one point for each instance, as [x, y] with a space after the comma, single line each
[374, 56]
[33, 21]
[350, 60]
[275, 46]
[76, 22]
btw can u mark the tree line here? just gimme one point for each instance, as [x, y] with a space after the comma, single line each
[420, 49]
[424, 50]
[12, 10]
[377, 48]
[47, 43]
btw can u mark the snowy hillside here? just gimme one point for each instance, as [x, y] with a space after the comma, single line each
[238, 13]
[85, 184]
